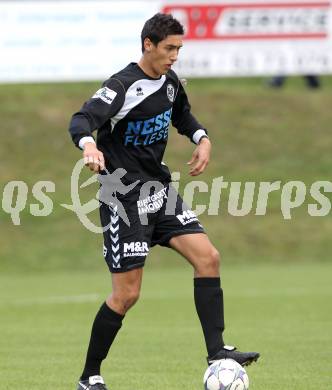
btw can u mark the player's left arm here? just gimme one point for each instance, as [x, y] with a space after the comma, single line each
[188, 125]
[200, 157]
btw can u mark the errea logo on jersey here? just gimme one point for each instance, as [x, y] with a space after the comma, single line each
[107, 95]
[186, 217]
[135, 248]
[139, 91]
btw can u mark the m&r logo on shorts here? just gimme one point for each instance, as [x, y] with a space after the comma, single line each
[135, 248]
[186, 217]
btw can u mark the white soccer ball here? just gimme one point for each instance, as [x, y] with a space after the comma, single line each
[226, 374]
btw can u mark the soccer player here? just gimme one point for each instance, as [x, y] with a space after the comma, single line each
[132, 112]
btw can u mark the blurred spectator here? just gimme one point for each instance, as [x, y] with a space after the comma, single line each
[312, 81]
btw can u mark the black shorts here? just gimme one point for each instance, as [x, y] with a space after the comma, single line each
[135, 222]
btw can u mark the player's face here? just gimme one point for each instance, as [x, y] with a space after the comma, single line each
[163, 56]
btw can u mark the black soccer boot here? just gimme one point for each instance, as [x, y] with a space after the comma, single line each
[229, 352]
[95, 382]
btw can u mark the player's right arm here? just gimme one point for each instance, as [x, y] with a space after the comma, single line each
[103, 105]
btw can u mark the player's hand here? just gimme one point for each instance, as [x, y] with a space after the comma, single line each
[93, 158]
[200, 157]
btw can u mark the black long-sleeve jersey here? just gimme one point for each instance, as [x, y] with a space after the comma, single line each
[132, 113]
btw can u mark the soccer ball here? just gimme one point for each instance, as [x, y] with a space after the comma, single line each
[226, 374]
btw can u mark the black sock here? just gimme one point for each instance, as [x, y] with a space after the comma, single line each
[104, 329]
[210, 309]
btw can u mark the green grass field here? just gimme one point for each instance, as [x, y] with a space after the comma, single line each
[282, 311]
[276, 273]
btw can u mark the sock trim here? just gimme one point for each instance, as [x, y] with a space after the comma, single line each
[110, 314]
[207, 282]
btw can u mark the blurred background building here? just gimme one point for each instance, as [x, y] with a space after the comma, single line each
[89, 40]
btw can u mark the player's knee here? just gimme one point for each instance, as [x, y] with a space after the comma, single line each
[123, 301]
[215, 256]
[214, 259]
[130, 298]
[133, 297]
[209, 264]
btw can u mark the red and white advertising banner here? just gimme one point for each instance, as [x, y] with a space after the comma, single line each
[247, 38]
[89, 40]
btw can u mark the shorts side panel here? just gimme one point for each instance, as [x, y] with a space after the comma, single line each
[125, 247]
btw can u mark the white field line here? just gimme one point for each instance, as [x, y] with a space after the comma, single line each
[52, 300]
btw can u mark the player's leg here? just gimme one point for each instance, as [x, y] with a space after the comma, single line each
[125, 292]
[125, 250]
[199, 251]
[126, 288]
[208, 295]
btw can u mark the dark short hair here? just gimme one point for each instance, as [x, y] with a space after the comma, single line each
[159, 27]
